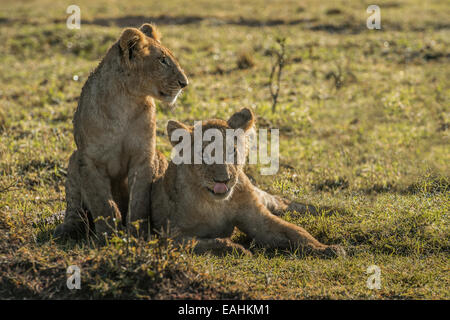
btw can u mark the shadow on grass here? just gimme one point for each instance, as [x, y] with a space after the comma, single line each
[428, 184]
[137, 20]
[127, 21]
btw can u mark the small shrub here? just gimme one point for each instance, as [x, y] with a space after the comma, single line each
[245, 60]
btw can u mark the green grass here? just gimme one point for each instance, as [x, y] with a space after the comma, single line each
[364, 128]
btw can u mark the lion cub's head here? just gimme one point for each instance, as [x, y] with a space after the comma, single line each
[149, 66]
[221, 155]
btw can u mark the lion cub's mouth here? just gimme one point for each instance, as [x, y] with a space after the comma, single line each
[220, 190]
[171, 97]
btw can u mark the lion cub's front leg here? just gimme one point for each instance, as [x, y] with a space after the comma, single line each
[269, 230]
[139, 181]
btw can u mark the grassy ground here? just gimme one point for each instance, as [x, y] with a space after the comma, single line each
[364, 128]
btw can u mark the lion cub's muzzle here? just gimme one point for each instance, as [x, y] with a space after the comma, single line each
[170, 96]
[221, 189]
[183, 82]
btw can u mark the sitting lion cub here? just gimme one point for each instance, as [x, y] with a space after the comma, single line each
[115, 133]
[206, 201]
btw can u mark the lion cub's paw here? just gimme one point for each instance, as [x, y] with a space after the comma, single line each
[334, 251]
[66, 231]
[241, 250]
[229, 246]
[302, 208]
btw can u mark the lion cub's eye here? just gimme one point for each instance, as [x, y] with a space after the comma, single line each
[164, 61]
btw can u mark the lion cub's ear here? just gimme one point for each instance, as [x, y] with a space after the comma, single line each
[130, 42]
[151, 31]
[176, 138]
[244, 119]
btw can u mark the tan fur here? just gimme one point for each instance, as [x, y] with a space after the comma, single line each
[183, 202]
[115, 132]
[279, 206]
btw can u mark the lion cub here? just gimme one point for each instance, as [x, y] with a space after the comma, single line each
[115, 133]
[206, 201]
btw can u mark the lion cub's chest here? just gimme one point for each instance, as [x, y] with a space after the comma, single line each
[124, 143]
[207, 220]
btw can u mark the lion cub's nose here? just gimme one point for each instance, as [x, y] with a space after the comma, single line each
[183, 83]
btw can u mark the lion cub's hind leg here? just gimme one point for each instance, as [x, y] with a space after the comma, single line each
[76, 217]
[279, 206]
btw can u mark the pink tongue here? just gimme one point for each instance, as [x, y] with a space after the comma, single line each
[220, 188]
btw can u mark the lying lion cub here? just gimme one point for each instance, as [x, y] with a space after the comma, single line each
[205, 202]
[115, 132]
